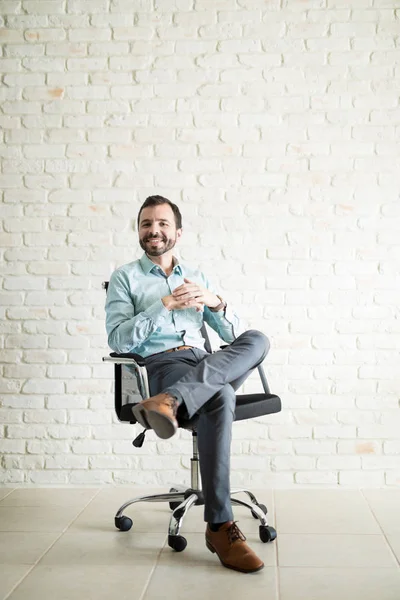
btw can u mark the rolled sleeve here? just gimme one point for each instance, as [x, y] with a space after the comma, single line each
[157, 313]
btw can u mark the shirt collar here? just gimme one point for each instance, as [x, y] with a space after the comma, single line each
[148, 265]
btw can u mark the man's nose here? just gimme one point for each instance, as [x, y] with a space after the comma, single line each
[154, 229]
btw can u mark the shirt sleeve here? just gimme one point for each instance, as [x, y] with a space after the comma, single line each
[225, 322]
[125, 329]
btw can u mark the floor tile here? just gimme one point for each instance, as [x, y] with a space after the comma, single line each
[394, 542]
[385, 506]
[5, 492]
[323, 511]
[34, 518]
[311, 550]
[22, 548]
[10, 576]
[111, 548]
[197, 576]
[200, 583]
[49, 497]
[83, 582]
[334, 583]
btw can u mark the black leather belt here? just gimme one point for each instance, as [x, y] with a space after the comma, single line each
[178, 348]
[171, 350]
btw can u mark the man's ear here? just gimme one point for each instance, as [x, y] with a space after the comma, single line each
[178, 233]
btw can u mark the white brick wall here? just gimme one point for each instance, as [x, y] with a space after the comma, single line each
[275, 125]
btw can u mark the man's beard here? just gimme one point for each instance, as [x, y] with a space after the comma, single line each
[165, 246]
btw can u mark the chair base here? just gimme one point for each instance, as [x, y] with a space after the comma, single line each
[181, 499]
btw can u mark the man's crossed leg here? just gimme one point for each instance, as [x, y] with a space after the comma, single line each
[204, 384]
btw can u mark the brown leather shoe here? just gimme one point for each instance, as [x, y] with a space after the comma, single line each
[158, 413]
[229, 544]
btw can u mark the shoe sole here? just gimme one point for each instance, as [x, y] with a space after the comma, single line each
[213, 550]
[163, 427]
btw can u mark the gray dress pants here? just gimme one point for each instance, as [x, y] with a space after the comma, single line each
[205, 385]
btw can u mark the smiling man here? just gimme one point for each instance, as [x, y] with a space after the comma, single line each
[156, 307]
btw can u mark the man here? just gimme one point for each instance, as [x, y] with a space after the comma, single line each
[155, 307]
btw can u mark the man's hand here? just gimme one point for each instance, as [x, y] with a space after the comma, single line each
[193, 292]
[172, 303]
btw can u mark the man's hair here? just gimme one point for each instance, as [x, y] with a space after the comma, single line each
[156, 201]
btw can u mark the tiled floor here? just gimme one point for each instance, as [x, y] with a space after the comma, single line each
[332, 544]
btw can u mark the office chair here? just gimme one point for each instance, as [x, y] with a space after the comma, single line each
[131, 386]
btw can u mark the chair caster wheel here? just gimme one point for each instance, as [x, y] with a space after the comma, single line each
[123, 523]
[177, 542]
[173, 505]
[263, 508]
[267, 533]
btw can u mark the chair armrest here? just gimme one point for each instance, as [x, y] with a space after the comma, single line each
[130, 355]
[263, 379]
[137, 363]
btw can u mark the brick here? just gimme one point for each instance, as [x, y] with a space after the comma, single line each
[98, 477]
[392, 478]
[391, 447]
[45, 356]
[42, 386]
[90, 6]
[47, 477]
[21, 51]
[293, 463]
[316, 478]
[86, 64]
[90, 34]
[380, 463]
[68, 371]
[90, 447]
[23, 371]
[9, 65]
[358, 479]
[47, 447]
[338, 463]
[11, 477]
[314, 447]
[13, 446]
[45, 64]
[66, 462]
[45, 416]
[10, 416]
[69, 402]
[44, 35]
[335, 431]
[66, 49]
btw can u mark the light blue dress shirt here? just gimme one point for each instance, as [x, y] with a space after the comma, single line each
[137, 320]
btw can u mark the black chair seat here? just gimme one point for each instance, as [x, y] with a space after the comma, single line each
[248, 406]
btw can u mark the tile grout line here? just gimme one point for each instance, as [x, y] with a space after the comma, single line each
[152, 571]
[50, 547]
[278, 572]
[19, 582]
[381, 528]
[6, 496]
